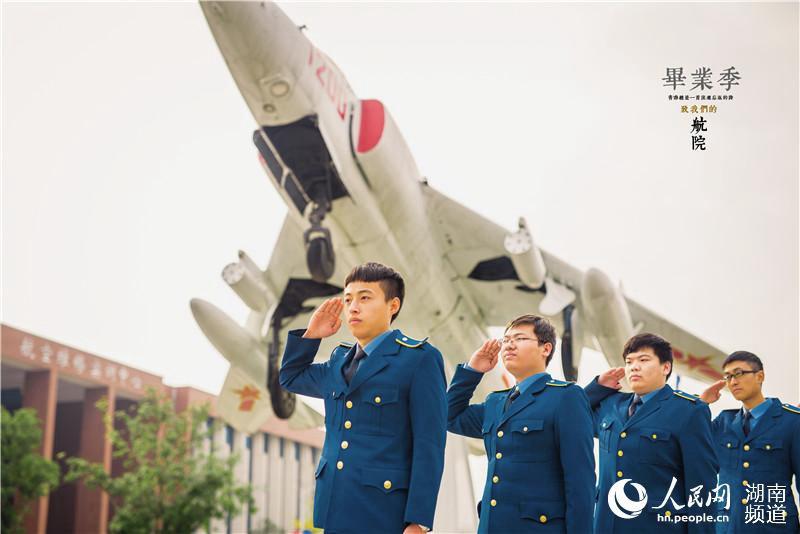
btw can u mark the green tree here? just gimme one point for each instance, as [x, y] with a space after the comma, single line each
[25, 474]
[169, 484]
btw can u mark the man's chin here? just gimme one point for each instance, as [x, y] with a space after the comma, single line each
[355, 329]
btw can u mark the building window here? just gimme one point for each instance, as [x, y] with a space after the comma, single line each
[249, 444]
[280, 445]
[266, 443]
[210, 429]
[229, 436]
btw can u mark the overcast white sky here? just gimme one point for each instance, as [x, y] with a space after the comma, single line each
[130, 180]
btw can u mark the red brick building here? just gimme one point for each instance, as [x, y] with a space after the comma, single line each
[63, 384]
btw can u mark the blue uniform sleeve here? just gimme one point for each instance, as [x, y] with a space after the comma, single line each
[700, 465]
[596, 395]
[462, 418]
[428, 413]
[796, 452]
[716, 425]
[574, 435]
[298, 373]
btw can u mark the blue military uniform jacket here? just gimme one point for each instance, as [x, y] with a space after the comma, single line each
[383, 457]
[540, 476]
[768, 456]
[668, 436]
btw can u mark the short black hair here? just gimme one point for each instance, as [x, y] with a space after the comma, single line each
[744, 356]
[544, 331]
[390, 280]
[660, 346]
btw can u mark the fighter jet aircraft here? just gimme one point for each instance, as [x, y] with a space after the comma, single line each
[354, 194]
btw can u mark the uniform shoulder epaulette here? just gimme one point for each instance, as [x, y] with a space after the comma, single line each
[558, 383]
[502, 390]
[790, 408]
[345, 344]
[410, 343]
[687, 396]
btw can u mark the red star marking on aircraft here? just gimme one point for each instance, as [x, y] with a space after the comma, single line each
[247, 398]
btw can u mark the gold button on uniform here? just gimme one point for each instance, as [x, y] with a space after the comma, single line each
[728, 445]
[543, 519]
[495, 479]
[623, 435]
[493, 502]
[744, 501]
[747, 447]
[349, 404]
[768, 447]
[654, 436]
[524, 428]
[377, 400]
[498, 455]
[348, 424]
[744, 483]
[345, 444]
[619, 474]
[339, 464]
[619, 453]
[499, 433]
[387, 484]
[746, 465]
[667, 513]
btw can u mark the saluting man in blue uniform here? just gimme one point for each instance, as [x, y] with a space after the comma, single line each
[538, 436]
[758, 446]
[647, 438]
[385, 410]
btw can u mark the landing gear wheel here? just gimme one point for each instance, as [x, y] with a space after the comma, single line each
[320, 259]
[283, 402]
[567, 358]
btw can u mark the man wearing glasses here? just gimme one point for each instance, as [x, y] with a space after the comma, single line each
[538, 436]
[758, 447]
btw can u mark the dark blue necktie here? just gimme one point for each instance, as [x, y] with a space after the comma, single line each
[637, 401]
[746, 421]
[352, 367]
[511, 398]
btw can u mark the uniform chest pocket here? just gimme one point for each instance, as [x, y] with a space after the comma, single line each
[655, 447]
[333, 408]
[379, 411]
[727, 450]
[529, 440]
[768, 453]
[605, 429]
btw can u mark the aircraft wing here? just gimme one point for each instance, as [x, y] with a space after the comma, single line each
[298, 295]
[474, 248]
[283, 298]
[245, 405]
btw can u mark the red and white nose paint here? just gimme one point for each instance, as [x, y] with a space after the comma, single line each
[373, 118]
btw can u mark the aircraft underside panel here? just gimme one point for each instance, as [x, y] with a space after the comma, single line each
[299, 161]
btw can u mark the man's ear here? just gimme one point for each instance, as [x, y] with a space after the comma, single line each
[669, 369]
[394, 305]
